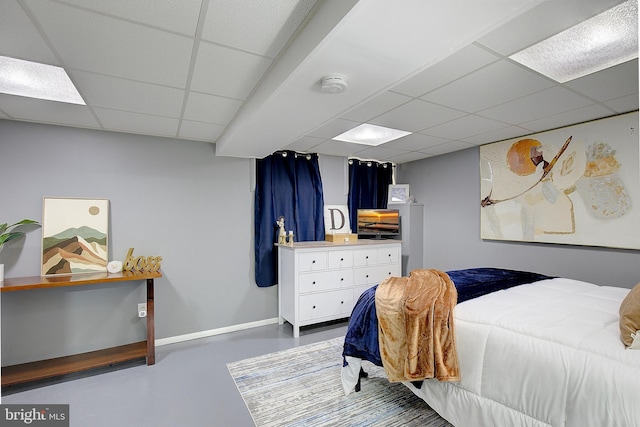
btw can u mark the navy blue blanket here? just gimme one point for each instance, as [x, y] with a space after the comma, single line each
[361, 339]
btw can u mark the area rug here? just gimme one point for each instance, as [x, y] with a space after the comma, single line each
[302, 387]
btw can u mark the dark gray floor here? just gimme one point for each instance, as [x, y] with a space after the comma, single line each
[188, 386]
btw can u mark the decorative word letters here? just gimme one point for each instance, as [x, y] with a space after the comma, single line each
[141, 263]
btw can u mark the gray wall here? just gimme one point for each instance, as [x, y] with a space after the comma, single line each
[449, 187]
[167, 197]
[334, 178]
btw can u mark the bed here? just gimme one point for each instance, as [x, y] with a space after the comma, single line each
[536, 351]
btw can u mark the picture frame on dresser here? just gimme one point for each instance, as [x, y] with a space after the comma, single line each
[398, 193]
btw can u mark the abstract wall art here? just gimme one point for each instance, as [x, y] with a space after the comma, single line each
[74, 235]
[577, 185]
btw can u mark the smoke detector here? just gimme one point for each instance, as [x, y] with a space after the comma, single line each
[334, 83]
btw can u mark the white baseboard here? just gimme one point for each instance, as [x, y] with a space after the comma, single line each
[212, 332]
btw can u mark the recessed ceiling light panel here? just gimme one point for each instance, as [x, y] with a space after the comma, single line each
[34, 80]
[603, 41]
[370, 135]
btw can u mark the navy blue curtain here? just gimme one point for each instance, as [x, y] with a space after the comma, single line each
[288, 184]
[368, 186]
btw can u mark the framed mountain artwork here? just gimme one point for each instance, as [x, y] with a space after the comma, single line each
[577, 185]
[74, 235]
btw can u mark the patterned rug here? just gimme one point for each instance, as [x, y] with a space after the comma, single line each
[302, 387]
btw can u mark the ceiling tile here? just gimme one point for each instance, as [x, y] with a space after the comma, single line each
[465, 127]
[114, 47]
[378, 105]
[415, 141]
[18, 32]
[409, 156]
[137, 123]
[336, 148]
[624, 104]
[449, 147]
[590, 112]
[493, 85]
[542, 104]
[255, 26]
[305, 144]
[200, 131]
[38, 110]
[333, 128]
[128, 95]
[227, 72]
[180, 16]
[380, 152]
[210, 108]
[610, 83]
[498, 135]
[455, 66]
[416, 115]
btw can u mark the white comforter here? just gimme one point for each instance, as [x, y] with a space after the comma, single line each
[543, 354]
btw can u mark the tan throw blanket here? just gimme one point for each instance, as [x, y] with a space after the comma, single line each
[415, 326]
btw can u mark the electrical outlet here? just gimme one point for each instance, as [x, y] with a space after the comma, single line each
[142, 309]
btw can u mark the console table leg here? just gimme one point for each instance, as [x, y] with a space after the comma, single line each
[151, 336]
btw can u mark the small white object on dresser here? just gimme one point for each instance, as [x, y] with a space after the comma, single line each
[321, 281]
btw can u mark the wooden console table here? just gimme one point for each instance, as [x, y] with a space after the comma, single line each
[80, 362]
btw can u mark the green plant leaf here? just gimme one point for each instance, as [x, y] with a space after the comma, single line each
[10, 236]
[24, 222]
[7, 235]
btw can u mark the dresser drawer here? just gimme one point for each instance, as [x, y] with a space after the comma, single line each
[389, 255]
[368, 256]
[325, 304]
[325, 280]
[363, 276]
[340, 259]
[312, 261]
[375, 274]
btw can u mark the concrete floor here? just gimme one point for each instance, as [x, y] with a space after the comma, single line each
[188, 386]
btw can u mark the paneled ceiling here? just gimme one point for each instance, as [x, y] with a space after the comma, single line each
[245, 74]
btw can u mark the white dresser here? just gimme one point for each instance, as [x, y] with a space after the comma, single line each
[321, 281]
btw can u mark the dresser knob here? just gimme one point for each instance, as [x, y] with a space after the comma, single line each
[314, 306]
[314, 282]
[342, 279]
[341, 302]
[313, 262]
[367, 276]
